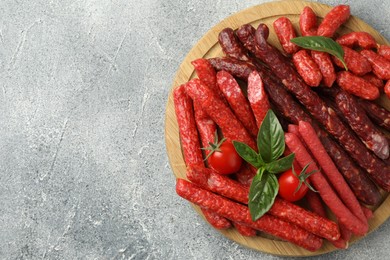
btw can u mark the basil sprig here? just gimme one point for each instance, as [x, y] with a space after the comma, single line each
[262, 193]
[265, 186]
[321, 43]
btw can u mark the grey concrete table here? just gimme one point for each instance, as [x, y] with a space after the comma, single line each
[83, 167]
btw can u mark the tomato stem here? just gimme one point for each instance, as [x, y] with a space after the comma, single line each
[214, 147]
[303, 176]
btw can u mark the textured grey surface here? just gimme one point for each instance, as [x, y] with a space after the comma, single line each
[83, 167]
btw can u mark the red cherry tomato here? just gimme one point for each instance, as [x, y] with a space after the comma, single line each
[288, 184]
[226, 160]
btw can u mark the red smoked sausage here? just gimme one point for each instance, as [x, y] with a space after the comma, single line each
[257, 97]
[308, 22]
[240, 213]
[237, 101]
[373, 79]
[285, 32]
[333, 20]
[216, 220]
[322, 186]
[307, 68]
[187, 127]
[357, 86]
[245, 230]
[220, 113]
[315, 204]
[356, 63]
[282, 209]
[380, 65]
[384, 51]
[327, 166]
[386, 89]
[325, 64]
[191, 145]
[357, 39]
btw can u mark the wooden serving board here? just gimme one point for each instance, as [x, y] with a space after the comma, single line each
[208, 47]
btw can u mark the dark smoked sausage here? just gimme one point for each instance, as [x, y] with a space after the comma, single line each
[230, 46]
[377, 113]
[239, 69]
[362, 125]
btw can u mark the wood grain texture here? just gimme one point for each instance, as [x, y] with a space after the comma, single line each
[208, 47]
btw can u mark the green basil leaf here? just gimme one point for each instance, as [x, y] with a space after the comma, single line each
[262, 193]
[280, 165]
[270, 139]
[248, 154]
[321, 43]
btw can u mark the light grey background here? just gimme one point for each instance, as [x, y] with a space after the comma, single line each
[83, 167]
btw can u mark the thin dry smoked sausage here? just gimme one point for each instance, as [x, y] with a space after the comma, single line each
[377, 113]
[240, 213]
[257, 97]
[282, 209]
[219, 112]
[322, 186]
[237, 101]
[187, 127]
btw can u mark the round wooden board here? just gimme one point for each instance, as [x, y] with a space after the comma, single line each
[208, 47]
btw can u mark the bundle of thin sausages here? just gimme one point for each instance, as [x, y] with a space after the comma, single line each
[332, 130]
[292, 222]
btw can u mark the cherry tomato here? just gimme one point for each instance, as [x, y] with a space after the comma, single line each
[288, 184]
[225, 160]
